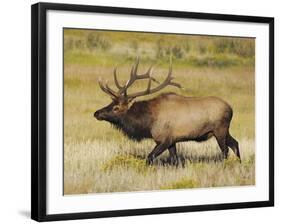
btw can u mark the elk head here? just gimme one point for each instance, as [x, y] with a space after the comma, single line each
[121, 99]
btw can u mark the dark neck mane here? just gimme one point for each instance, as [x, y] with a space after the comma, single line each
[136, 123]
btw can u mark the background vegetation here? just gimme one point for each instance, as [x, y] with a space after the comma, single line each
[98, 158]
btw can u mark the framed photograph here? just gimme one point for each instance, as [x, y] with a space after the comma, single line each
[140, 111]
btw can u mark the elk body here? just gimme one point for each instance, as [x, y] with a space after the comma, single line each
[168, 118]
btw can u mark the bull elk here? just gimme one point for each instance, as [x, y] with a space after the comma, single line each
[168, 118]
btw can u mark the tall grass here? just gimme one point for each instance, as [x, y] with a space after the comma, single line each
[104, 166]
[98, 158]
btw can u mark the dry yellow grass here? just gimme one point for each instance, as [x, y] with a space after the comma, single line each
[104, 166]
[92, 145]
[98, 158]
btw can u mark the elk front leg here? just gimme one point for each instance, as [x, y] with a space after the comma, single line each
[173, 159]
[158, 149]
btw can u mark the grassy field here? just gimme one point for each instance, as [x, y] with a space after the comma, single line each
[98, 158]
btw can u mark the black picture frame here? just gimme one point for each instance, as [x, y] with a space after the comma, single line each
[38, 108]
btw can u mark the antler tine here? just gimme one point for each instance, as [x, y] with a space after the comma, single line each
[166, 82]
[145, 75]
[110, 90]
[133, 77]
[102, 86]
[149, 84]
[173, 83]
[116, 80]
[170, 66]
[171, 77]
[107, 89]
[136, 66]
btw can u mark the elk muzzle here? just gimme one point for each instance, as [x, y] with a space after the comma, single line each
[98, 115]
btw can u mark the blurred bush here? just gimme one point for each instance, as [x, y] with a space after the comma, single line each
[96, 41]
[189, 50]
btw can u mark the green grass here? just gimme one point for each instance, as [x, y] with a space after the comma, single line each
[219, 60]
[127, 162]
[98, 158]
[86, 47]
[181, 184]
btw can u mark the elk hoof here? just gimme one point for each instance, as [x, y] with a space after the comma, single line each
[149, 161]
[174, 161]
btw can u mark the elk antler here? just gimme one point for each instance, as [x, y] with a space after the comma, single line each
[107, 89]
[122, 90]
[166, 82]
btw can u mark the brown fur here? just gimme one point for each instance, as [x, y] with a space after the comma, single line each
[171, 118]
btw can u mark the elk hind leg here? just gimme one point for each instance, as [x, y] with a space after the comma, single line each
[173, 155]
[234, 145]
[221, 135]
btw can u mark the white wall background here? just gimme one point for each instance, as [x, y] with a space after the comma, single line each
[15, 110]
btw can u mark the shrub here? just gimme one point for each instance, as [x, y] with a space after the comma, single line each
[238, 46]
[127, 161]
[96, 41]
[134, 45]
[202, 47]
[68, 44]
[214, 61]
[177, 51]
[244, 47]
[181, 184]
[221, 45]
[79, 44]
[186, 46]
[231, 162]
